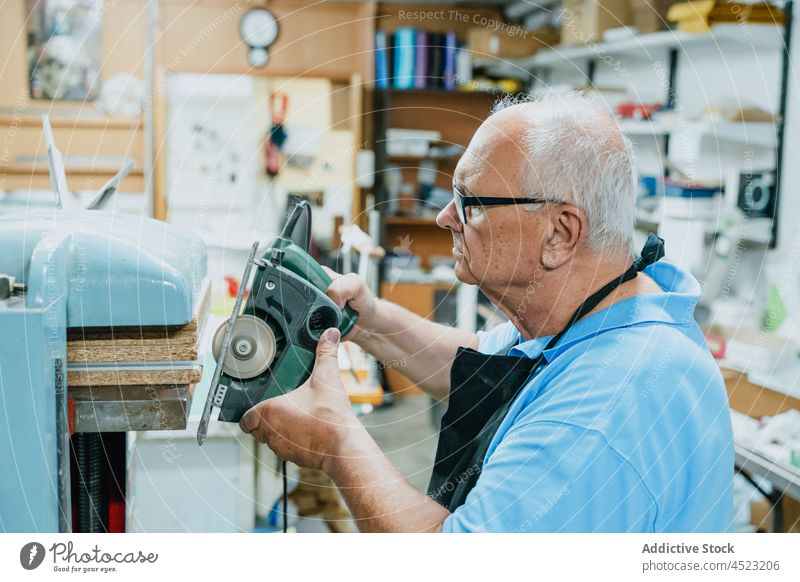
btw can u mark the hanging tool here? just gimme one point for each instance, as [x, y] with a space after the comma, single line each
[279, 105]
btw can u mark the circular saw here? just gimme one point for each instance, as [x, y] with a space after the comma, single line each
[268, 347]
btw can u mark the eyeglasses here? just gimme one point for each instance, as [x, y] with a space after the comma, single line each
[463, 202]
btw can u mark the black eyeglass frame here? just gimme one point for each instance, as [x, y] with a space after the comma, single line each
[463, 202]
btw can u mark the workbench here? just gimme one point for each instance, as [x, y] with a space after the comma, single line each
[758, 401]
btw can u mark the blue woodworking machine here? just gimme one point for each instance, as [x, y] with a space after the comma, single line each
[89, 272]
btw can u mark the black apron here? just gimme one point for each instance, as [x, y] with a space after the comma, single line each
[482, 388]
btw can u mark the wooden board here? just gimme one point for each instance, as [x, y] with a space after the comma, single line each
[144, 353]
[753, 400]
[133, 336]
[142, 345]
[21, 178]
[133, 376]
[133, 344]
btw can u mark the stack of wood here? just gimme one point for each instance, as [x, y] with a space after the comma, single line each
[317, 496]
[700, 16]
[134, 378]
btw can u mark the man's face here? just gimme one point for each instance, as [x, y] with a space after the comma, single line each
[500, 245]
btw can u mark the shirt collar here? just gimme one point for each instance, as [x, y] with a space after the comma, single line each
[673, 307]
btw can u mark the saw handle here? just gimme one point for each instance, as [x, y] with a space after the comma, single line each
[303, 265]
[349, 316]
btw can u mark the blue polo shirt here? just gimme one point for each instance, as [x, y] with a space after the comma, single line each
[626, 429]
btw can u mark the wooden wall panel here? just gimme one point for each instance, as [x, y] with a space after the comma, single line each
[13, 43]
[329, 39]
[80, 131]
[123, 40]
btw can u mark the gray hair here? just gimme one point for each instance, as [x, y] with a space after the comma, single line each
[572, 158]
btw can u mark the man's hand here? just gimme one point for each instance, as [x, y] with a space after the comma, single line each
[352, 290]
[315, 427]
[307, 426]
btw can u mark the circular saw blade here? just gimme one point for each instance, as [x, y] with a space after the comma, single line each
[252, 348]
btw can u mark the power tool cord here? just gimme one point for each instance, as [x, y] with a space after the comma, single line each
[285, 497]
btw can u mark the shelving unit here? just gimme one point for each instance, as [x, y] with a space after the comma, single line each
[759, 134]
[411, 220]
[70, 118]
[668, 45]
[99, 145]
[456, 115]
[442, 92]
[36, 175]
[417, 159]
[644, 46]
[433, 109]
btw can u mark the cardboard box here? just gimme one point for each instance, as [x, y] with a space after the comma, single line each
[650, 15]
[510, 43]
[701, 15]
[585, 21]
[791, 515]
[752, 400]
[761, 517]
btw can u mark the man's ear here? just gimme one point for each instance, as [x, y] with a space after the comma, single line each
[567, 223]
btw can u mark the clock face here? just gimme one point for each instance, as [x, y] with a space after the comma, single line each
[258, 28]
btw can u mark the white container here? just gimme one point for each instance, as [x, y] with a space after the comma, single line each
[176, 486]
[410, 142]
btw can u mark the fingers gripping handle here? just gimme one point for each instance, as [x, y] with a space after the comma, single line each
[302, 264]
[349, 315]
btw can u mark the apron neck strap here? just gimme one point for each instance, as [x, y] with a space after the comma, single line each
[652, 251]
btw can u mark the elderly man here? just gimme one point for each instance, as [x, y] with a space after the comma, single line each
[597, 407]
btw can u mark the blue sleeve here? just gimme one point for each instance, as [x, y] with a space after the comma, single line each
[554, 477]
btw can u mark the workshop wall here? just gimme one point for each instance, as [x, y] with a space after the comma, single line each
[305, 47]
[338, 50]
[123, 42]
[80, 131]
[191, 36]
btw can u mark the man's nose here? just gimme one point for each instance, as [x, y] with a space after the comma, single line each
[448, 218]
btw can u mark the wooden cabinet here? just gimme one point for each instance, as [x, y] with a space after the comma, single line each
[420, 298]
